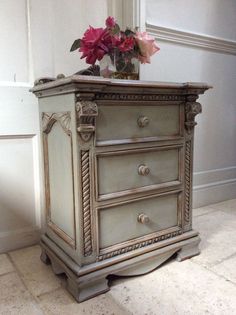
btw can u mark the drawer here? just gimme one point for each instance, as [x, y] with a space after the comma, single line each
[133, 220]
[132, 123]
[126, 172]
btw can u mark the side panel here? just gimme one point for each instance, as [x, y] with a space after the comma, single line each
[59, 138]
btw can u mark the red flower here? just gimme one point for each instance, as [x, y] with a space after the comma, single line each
[110, 22]
[93, 45]
[98, 42]
[127, 44]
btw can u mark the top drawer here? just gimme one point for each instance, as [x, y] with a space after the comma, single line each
[128, 124]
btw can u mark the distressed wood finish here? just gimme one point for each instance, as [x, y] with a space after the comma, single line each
[49, 120]
[131, 150]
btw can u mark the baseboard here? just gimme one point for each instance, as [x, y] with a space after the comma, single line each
[214, 186]
[20, 238]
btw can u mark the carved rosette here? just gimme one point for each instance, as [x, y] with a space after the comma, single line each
[86, 115]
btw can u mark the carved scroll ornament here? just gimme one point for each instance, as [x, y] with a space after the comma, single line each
[86, 115]
[191, 110]
[49, 119]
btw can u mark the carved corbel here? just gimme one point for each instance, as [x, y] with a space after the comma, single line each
[192, 109]
[86, 115]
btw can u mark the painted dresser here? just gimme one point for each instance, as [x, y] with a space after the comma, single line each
[118, 159]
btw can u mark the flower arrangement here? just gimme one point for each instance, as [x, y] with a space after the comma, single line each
[120, 49]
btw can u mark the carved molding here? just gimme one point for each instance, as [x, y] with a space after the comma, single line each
[192, 39]
[191, 110]
[139, 245]
[87, 229]
[188, 184]
[49, 119]
[86, 115]
[139, 97]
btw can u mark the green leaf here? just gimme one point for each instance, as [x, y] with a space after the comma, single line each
[76, 44]
[115, 29]
[129, 33]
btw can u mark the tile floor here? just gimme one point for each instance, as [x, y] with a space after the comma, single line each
[206, 284]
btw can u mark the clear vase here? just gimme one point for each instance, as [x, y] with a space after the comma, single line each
[119, 66]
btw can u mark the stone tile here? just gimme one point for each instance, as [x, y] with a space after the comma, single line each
[227, 269]
[202, 211]
[60, 302]
[38, 277]
[176, 288]
[15, 299]
[218, 237]
[5, 264]
[228, 206]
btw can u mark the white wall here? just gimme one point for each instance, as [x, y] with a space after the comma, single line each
[185, 56]
[208, 17]
[54, 27]
[36, 36]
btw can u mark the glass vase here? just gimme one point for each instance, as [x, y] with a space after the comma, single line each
[119, 66]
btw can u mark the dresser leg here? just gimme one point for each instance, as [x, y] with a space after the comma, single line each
[189, 250]
[82, 292]
[57, 269]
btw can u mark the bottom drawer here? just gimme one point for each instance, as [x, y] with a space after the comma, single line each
[135, 219]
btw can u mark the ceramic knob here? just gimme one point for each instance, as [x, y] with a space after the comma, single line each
[143, 121]
[143, 170]
[143, 218]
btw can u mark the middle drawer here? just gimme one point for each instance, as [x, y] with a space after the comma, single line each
[127, 172]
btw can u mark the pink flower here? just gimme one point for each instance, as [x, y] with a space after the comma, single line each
[110, 22]
[147, 46]
[92, 44]
[127, 44]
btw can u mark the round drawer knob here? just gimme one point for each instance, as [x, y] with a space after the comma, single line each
[143, 121]
[143, 218]
[143, 170]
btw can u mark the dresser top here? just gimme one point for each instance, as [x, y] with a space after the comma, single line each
[81, 83]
